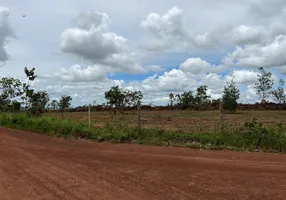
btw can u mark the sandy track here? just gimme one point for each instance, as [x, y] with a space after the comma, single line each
[34, 166]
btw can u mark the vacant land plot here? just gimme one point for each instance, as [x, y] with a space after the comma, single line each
[180, 120]
[41, 167]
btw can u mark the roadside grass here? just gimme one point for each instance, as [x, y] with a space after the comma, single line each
[252, 136]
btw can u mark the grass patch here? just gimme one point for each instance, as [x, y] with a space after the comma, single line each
[251, 136]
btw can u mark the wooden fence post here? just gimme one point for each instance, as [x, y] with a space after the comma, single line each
[221, 113]
[139, 117]
[89, 116]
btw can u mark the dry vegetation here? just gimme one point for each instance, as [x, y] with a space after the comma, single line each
[186, 120]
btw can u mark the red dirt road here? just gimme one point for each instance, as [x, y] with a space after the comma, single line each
[40, 167]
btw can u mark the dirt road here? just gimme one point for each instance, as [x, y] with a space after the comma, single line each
[34, 166]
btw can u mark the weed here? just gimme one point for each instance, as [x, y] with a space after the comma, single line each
[251, 136]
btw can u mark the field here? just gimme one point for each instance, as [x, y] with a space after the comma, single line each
[187, 120]
[34, 166]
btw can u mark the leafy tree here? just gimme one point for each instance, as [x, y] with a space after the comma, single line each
[30, 74]
[278, 94]
[9, 89]
[187, 98]
[264, 84]
[132, 97]
[178, 98]
[115, 97]
[119, 98]
[15, 106]
[230, 96]
[172, 99]
[38, 102]
[54, 105]
[201, 96]
[64, 103]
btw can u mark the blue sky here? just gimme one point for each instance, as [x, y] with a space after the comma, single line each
[82, 48]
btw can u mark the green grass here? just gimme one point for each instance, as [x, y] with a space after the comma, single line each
[251, 136]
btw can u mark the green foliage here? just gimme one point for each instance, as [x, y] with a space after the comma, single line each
[65, 102]
[230, 96]
[30, 74]
[54, 105]
[187, 98]
[201, 96]
[172, 99]
[120, 98]
[264, 84]
[278, 94]
[9, 89]
[252, 136]
[38, 102]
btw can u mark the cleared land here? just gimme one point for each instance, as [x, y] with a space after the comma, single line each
[186, 120]
[40, 167]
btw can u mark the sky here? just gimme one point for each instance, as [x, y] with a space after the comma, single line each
[82, 48]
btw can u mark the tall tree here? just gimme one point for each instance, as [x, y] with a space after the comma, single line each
[172, 99]
[115, 97]
[178, 98]
[9, 89]
[131, 97]
[187, 98]
[30, 74]
[264, 84]
[64, 103]
[230, 96]
[54, 105]
[278, 94]
[201, 96]
[38, 102]
[119, 98]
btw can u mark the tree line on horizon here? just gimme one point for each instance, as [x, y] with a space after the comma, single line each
[16, 95]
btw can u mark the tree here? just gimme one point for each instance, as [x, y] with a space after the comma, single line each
[9, 89]
[187, 98]
[131, 98]
[178, 98]
[115, 97]
[119, 98]
[172, 99]
[278, 94]
[264, 84]
[201, 96]
[30, 74]
[230, 96]
[54, 105]
[38, 102]
[64, 103]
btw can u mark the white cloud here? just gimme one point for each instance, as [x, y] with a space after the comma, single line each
[92, 40]
[243, 76]
[170, 31]
[282, 69]
[174, 80]
[199, 66]
[155, 68]
[76, 73]
[266, 8]
[249, 35]
[269, 55]
[5, 32]
[165, 31]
